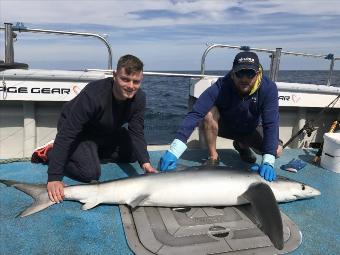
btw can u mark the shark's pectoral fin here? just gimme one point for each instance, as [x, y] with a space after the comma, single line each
[266, 211]
[89, 204]
[138, 200]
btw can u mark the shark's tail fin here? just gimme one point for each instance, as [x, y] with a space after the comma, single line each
[36, 191]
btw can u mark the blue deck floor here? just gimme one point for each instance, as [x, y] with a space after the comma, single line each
[65, 229]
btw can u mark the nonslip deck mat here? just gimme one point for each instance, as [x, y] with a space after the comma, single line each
[201, 230]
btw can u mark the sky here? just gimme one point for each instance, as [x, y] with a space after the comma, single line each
[173, 34]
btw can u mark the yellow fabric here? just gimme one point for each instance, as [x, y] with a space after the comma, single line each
[257, 82]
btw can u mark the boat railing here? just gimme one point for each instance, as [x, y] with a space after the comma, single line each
[20, 27]
[275, 55]
[161, 74]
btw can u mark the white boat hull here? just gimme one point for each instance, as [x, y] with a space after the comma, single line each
[31, 103]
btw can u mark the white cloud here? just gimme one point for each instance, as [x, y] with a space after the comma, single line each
[304, 7]
[118, 13]
[192, 23]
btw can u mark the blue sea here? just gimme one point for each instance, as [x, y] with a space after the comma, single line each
[167, 99]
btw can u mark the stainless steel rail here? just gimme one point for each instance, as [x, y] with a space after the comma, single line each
[9, 35]
[275, 58]
[9, 52]
[147, 73]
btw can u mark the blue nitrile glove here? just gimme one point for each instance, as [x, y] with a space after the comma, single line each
[168, 162]
[169, 159]
[266, 169]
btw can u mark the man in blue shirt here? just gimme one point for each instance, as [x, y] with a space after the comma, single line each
[242, 106]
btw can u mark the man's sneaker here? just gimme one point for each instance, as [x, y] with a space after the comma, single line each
[40, 154]
[211, 162]
[246, 154]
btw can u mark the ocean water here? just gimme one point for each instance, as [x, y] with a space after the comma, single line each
[167, 100]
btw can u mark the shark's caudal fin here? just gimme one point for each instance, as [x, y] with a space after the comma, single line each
[36, 191]
[267, 212]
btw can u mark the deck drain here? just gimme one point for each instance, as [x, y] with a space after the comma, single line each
[218, 231]
[182, 209]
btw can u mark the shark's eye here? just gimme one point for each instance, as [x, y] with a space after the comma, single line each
[303, 187]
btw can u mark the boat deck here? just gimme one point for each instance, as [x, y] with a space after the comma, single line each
[65, 229]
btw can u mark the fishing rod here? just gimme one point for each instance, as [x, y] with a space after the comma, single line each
[309, 127]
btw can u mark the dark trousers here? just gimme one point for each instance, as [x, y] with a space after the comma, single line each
[84, 162]
[253, 139]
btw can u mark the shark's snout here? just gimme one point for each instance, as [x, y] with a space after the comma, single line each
[312, 192]
[315, 192]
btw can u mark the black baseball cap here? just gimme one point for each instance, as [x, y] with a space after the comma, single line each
[246, 60]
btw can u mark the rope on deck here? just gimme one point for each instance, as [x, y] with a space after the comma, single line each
[12, 160]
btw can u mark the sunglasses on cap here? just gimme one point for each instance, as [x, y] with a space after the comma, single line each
[249, 73]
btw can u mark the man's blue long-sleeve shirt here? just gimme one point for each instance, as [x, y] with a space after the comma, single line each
[241, 114]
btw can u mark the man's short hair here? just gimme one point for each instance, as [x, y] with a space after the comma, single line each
[131, 64]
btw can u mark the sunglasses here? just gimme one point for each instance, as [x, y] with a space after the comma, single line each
[249, 73]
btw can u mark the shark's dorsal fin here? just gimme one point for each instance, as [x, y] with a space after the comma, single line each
[181, 167]
[138, 200]
[266, 211]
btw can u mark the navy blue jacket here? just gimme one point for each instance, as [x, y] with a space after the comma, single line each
[241, 114]
[94, 114]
